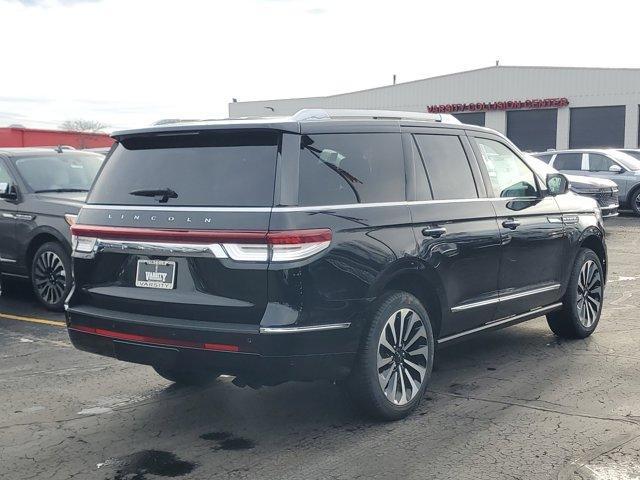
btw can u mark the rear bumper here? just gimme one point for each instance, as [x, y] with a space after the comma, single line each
[239, 350]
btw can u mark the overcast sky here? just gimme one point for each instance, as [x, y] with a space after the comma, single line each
[131, 62]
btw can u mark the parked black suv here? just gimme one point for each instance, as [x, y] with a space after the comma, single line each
[41, 192]
[342, 245]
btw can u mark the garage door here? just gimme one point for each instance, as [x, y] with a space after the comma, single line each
[597, 127]
[533, 130]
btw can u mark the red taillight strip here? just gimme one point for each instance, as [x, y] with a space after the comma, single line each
[219, 347]
[296, 237]
[284, 237]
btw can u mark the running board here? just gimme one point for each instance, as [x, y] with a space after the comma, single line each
[504, 322]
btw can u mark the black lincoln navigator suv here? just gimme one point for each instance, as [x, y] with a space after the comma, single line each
[341, 245]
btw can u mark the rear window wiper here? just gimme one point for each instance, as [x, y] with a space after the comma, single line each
[62, 190]
[164, 193]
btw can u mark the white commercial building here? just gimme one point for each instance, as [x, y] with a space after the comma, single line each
[538, 108]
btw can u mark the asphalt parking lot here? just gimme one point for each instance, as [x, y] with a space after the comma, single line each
[513, 404]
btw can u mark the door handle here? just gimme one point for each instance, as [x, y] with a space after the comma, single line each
[434, 232]
[511, 224]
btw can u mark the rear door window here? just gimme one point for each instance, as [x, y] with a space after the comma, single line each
[193, 168]
[343, 169]
[568, 161]
[447, 167]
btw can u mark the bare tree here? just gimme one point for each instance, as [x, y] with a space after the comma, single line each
[80, 125]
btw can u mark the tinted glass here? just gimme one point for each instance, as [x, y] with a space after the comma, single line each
[597, 127]
[599, 163]
[4, 174]
[629, 160]
[447, 167]
[545, 158]
[568, 161]
[202, 168]
[349, 168]
[510, 176]
[63, 172]
[533, 130]
[633, 153]
[473, 118]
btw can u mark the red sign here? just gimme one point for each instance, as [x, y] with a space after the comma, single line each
[503, 105]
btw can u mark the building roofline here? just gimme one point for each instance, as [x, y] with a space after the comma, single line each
[410, 82]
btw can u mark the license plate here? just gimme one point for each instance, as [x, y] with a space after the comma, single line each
[155, 274]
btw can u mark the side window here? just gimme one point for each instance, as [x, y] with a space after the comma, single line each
[509, 175]
[546, 158]
[448, 170]
[4, 174]
[351, 168]
[568, 161]
[599, 163]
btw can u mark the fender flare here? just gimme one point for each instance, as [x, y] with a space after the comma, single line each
[46, 230]
[416, 267]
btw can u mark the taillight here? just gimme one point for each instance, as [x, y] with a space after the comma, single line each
[242, 246]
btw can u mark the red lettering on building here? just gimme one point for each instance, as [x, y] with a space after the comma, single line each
[500, 105]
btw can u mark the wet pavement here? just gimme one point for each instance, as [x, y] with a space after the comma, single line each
[513, 404]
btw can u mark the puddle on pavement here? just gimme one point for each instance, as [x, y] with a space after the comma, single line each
[227, 441]
[149, 462]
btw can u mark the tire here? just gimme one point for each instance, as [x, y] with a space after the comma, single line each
[378, 362]
[51, 275]
[186, 377]
[634, 200]
[581, 307]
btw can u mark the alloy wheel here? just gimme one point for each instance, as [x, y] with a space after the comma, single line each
[402, 356]
[589, 293]
[50, 277]
[637, 202]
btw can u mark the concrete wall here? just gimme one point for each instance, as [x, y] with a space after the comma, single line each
[584, 87]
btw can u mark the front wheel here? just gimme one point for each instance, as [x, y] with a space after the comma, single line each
[582, 303]
[51, 275]
[396, 358]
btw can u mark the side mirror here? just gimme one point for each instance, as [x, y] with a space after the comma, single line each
[7, 191]
[615, 168]
[557, 184]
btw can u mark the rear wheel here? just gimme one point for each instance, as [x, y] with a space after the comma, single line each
[186, 377]
[395, 362]
[51, 275]
[582, 303]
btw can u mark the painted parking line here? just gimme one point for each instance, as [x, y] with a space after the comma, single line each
[43, 321]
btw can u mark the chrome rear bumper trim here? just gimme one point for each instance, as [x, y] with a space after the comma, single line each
[313, 328]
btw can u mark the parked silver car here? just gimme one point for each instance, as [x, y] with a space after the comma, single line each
[611, 164]
[603, 191]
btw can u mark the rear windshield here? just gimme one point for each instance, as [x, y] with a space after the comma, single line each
[190, 169]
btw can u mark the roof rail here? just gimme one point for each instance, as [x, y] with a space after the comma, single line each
[326, 114]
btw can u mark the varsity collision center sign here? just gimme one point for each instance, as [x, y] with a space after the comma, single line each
[503, 105]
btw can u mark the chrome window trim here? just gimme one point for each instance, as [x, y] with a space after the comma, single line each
[506, 298]
[312, 328]
[165, 208]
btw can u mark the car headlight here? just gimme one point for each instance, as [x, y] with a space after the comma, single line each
[585, 191]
